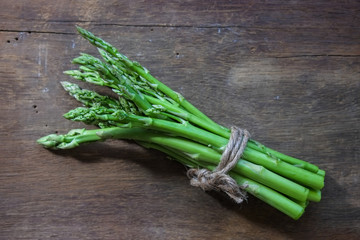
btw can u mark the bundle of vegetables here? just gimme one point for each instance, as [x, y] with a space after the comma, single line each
[152, 114]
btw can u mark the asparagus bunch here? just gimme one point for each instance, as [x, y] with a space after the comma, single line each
[155, 116]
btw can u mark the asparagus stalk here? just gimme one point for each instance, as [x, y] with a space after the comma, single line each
[294, 209]
[151, 113]
[199, 153]
[275, 154]
[80, 136]
[314, 195]
[93, 115]
[90, 98]
[321, 172]
[143, 72]
[108, 79]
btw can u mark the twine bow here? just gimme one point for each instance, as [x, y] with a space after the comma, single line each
[218, 179]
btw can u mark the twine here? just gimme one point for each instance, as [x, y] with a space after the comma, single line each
[218, 179]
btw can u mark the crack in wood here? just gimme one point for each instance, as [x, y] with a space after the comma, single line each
[31, 31]
[318, 55]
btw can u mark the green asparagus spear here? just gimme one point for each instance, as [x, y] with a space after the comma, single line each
[153, 114]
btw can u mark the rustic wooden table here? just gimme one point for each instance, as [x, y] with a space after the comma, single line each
[287, 71]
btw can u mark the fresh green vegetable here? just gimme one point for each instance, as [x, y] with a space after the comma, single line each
[155, 116]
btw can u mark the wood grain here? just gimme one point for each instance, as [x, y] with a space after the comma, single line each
[287, 71]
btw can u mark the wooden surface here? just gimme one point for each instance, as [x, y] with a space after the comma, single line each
[288, 71]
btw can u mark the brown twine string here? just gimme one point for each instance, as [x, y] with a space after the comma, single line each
[218, 179]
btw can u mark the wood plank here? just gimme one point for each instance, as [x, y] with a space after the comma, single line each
[289, 75]
[44, 15]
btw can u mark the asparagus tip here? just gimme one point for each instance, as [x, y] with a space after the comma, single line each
[50, 141]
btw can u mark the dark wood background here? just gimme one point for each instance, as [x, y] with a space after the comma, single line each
[288, 71]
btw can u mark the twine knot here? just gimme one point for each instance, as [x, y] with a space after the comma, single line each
[218, 179]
